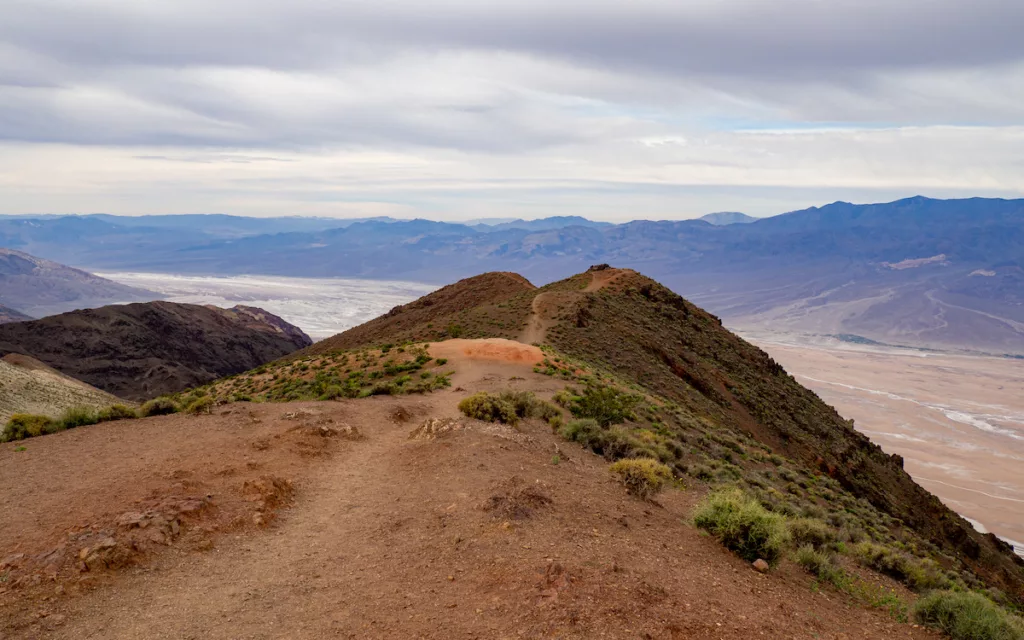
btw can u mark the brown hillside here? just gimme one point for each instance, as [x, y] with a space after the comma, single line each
[142, 350]
[434, 315]
[381, 517]
[628, 324]
[29, 386]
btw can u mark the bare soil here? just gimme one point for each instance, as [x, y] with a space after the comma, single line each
[467, 530]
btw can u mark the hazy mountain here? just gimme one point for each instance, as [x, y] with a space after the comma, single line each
[142, 350]
[38, 287]
[915, 271]
[722, 218]
[8, 314]
[544, 224]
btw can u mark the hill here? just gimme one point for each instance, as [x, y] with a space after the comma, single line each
[40, 287]
[639, 330]
[29, 386]
[728, 217]
[459, 485]
[918, 271]
[138, 351]
[8, 314]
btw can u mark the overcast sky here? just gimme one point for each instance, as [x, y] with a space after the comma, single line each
[459, 109]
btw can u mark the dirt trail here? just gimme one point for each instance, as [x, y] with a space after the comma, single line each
[483, 533]
[540, 320]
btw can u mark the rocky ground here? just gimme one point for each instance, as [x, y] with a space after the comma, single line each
[390, 517]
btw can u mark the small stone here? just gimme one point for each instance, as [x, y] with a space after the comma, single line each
[760, 566]
[258, 519]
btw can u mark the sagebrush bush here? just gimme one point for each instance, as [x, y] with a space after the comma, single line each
[200, 405]
[489, 408]
[116, 412]
[78, 417]
[967, 616]
[919, 575]
[741, 524]
[811, 531]
[643, 477]
[607, 405]
[508, 407]
[24, 425]
[158, 407]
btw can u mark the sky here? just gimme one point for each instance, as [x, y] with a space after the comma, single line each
[463, 109]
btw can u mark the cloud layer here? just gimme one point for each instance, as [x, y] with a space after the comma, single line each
[460, 108]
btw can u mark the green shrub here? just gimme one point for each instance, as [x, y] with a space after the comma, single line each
[200, 406]
[811, 531]
[967, 616]
[643, 477]
[607, 405]
[490, 408]
[919, 575]
[78, 417]
[441, 361]
[821, 564]
[23, 425]
[741, 524]
[116, 412]
[158, 407]
[586, 431]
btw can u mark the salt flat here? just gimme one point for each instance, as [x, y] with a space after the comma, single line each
[957, 420]
[321, 307]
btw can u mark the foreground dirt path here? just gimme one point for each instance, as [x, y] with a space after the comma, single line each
[481, 532]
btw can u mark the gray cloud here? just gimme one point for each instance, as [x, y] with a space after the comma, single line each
[651, 92]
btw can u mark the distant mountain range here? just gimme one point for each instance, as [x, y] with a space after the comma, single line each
[33, 287]
[917, 271]
[728, 217]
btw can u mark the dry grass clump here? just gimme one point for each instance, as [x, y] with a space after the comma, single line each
[508, 407]
[967, 616]
[741, 524]
[643, 477]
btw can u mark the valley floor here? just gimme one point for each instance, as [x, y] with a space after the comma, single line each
[958, 421]
[478, 532]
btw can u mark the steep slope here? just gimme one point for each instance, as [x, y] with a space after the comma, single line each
[142, 350]
[379, 527]
[8, 314]
[29, 386]
[432, 314]
[40, 287]
[637, 329]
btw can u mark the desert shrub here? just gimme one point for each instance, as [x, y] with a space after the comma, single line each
[78, 417]
[607, 405]
[158, 407]
[332, 392]
[741, 524]
[643, 477]
[116, 412]
[811, 531]
[586, 431]
[490, 408]
[967, 616]
[24, 425]
[441, 361]
[200, 405]
[821, 564]
[919, 575]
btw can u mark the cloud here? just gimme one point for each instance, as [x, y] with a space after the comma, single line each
[492, 103]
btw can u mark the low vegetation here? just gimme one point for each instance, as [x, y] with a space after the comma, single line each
[508, 407]
[22, 426]
[741, 524]
[389, 370]
[642, 477]
[967, 616]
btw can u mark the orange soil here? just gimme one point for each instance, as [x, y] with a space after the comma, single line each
[480, 533]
